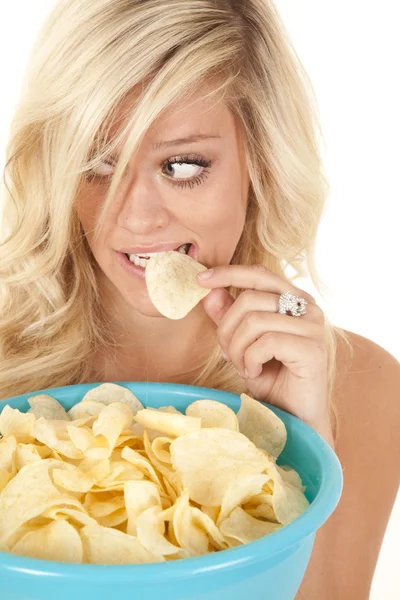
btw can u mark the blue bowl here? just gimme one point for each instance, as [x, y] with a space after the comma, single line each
[272, 566]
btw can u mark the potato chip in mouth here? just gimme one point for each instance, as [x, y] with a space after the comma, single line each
[172, 284]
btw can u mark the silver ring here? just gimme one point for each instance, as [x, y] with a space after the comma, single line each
[289, 304]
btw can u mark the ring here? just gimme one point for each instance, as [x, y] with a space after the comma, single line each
[289, 304]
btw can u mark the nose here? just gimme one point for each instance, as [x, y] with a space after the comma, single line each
[143, 210]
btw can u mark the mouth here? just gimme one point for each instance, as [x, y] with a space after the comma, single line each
[140, 260]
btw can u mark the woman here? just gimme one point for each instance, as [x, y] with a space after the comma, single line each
[100, 172]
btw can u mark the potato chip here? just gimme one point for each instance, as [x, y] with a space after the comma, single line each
[142, 463]
[240, 492]
[161, 448]
[139, 496]
[119, 471]
[114, 519]
[171, 492]
[17, 506]
[169, 424]
[213, 414]
[261, 425]
[210, 460]
[108, 393]
[27, 453]
[211, 511]
[21, 425]
[47, 433]
[169, 409]
[58, 540]
[89, 408]
[77, 516]
[112, 421]
[100, 441]
[172, 285]
[74, 480]
[290, 476]
[201, 519]
[188, 535]
[103, 504]
[194, 530]
[243, 528]
[46, 406]
[261, 511]
[104, 545]
[150, 532]
[167, 474]
[288, 501]
[8, 466]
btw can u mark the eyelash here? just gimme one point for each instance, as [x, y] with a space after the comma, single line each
[206, 164]
[200, 162]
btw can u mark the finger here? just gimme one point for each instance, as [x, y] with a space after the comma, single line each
[256, 324]
[217, 303]
[256, 277]
[256, 301]
[303, 356]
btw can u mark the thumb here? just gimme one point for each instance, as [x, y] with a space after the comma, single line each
[216, 304]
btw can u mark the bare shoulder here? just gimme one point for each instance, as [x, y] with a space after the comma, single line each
[367, 395]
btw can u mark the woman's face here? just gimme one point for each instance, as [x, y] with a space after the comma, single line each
[161, 204]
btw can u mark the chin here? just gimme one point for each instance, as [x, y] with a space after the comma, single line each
[140, 303]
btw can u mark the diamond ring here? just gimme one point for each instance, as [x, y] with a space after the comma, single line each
[289, 304]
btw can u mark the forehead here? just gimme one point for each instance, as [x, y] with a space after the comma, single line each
[192, 115]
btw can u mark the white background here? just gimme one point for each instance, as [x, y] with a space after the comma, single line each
[351, 51]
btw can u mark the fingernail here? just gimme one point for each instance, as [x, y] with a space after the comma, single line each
[246, 374]
[205, 274]
[224, 356]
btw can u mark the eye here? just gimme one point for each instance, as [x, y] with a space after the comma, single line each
[100, 173]
[188, 170]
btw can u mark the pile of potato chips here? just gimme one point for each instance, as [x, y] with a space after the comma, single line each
[112, 482]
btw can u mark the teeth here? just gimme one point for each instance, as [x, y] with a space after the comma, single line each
[140, 260]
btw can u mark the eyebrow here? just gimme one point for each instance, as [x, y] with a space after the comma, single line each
[184, 140]
[178, 141]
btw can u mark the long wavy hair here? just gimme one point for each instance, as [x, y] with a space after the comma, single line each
[87, 59]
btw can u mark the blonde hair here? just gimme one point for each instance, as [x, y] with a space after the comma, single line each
[88, 58]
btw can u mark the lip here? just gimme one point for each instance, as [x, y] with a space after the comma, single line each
[161, 247]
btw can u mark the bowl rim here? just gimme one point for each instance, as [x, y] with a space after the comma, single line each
[280, 541]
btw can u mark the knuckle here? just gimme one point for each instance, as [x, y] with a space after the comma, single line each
[269, 337]
[318, 313]
[310, 299]
[252, 319]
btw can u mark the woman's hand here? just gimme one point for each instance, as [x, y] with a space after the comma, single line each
[283, 358]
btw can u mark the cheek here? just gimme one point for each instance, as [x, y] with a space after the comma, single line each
[229, 216]
[88, 209]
